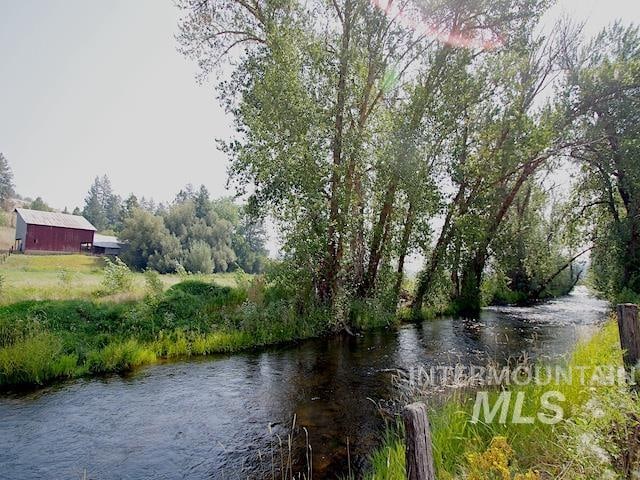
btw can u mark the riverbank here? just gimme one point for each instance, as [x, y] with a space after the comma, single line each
[43, 341]
[598, 436]
[59, 321]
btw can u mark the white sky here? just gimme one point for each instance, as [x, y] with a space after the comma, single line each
[89, 87]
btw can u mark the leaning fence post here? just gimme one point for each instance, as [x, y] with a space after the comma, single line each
[629, 333]
[419, 458]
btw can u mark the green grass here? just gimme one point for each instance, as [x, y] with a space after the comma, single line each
[587, 444]
[65, 336]
[74, 277]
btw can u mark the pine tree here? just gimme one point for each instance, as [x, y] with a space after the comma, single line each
[103, 207]
[93, 206]
[202, 202]
[6, 181]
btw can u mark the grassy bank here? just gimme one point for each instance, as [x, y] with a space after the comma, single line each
[592, 441]
[85, 330]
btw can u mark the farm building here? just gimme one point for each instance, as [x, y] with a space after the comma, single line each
[52, 232]
[106, 245]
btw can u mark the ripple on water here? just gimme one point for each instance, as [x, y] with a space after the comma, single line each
[210, 418]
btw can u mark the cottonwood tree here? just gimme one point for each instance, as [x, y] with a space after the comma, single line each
[314, 87]
[507, 140]
[603, 92]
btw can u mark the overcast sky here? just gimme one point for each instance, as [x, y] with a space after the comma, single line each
[90, 87]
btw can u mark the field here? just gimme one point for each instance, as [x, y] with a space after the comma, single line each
[73, 277]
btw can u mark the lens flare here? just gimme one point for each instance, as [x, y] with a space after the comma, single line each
[485, 38]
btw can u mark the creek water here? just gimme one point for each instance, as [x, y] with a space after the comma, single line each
[220, 417]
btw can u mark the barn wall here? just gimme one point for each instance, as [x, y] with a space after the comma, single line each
[21, 229]
[56, 239]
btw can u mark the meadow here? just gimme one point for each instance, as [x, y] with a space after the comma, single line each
[75, 277]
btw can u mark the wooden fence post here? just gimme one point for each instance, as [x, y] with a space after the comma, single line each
[629, 328]
[419, 458]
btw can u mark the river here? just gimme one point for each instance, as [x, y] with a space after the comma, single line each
[218, 417]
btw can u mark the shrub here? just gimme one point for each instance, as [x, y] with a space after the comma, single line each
[196, 305]
[117, 277]
[153, 283]
[494, 463]
[65, 277]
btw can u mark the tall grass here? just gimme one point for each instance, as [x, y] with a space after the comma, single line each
[44, 340]
[585, 444]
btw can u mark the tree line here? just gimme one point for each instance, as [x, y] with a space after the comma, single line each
[194, 233]
[371, 131]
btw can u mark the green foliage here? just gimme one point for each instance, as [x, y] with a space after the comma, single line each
[40, 204]
[354, 157]
[117, 277]
[42, 341]
[35, 360]
[153, 284]
[102, 207]
[6, 181]
[149, 243]
[603, 88]
[199, 258]
[200, 234]
[65, 277]
[119, 357]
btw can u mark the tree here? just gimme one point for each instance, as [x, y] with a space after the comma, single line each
[249, 242]
[40, 204]
[199, 258]
[129, 206]
[6, 181]
[311, 101]
[102, 206]
[603, 93]
[149, 243]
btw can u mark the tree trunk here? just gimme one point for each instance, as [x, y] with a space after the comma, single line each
[427, 276]
[469, 302]
[543, 286]
[328, 284]
[629, 327]
[380, 231]
[404, 247]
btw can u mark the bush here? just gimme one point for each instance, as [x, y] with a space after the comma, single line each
[197, 305]
[65, 277]
[117, 277]
[153, 283]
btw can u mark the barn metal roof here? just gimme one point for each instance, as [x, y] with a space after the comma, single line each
[106, 241]
[54, 219]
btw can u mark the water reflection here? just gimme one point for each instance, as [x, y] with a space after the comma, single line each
[210, 418]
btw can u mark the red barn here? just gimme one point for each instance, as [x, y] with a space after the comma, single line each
[52, 232]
